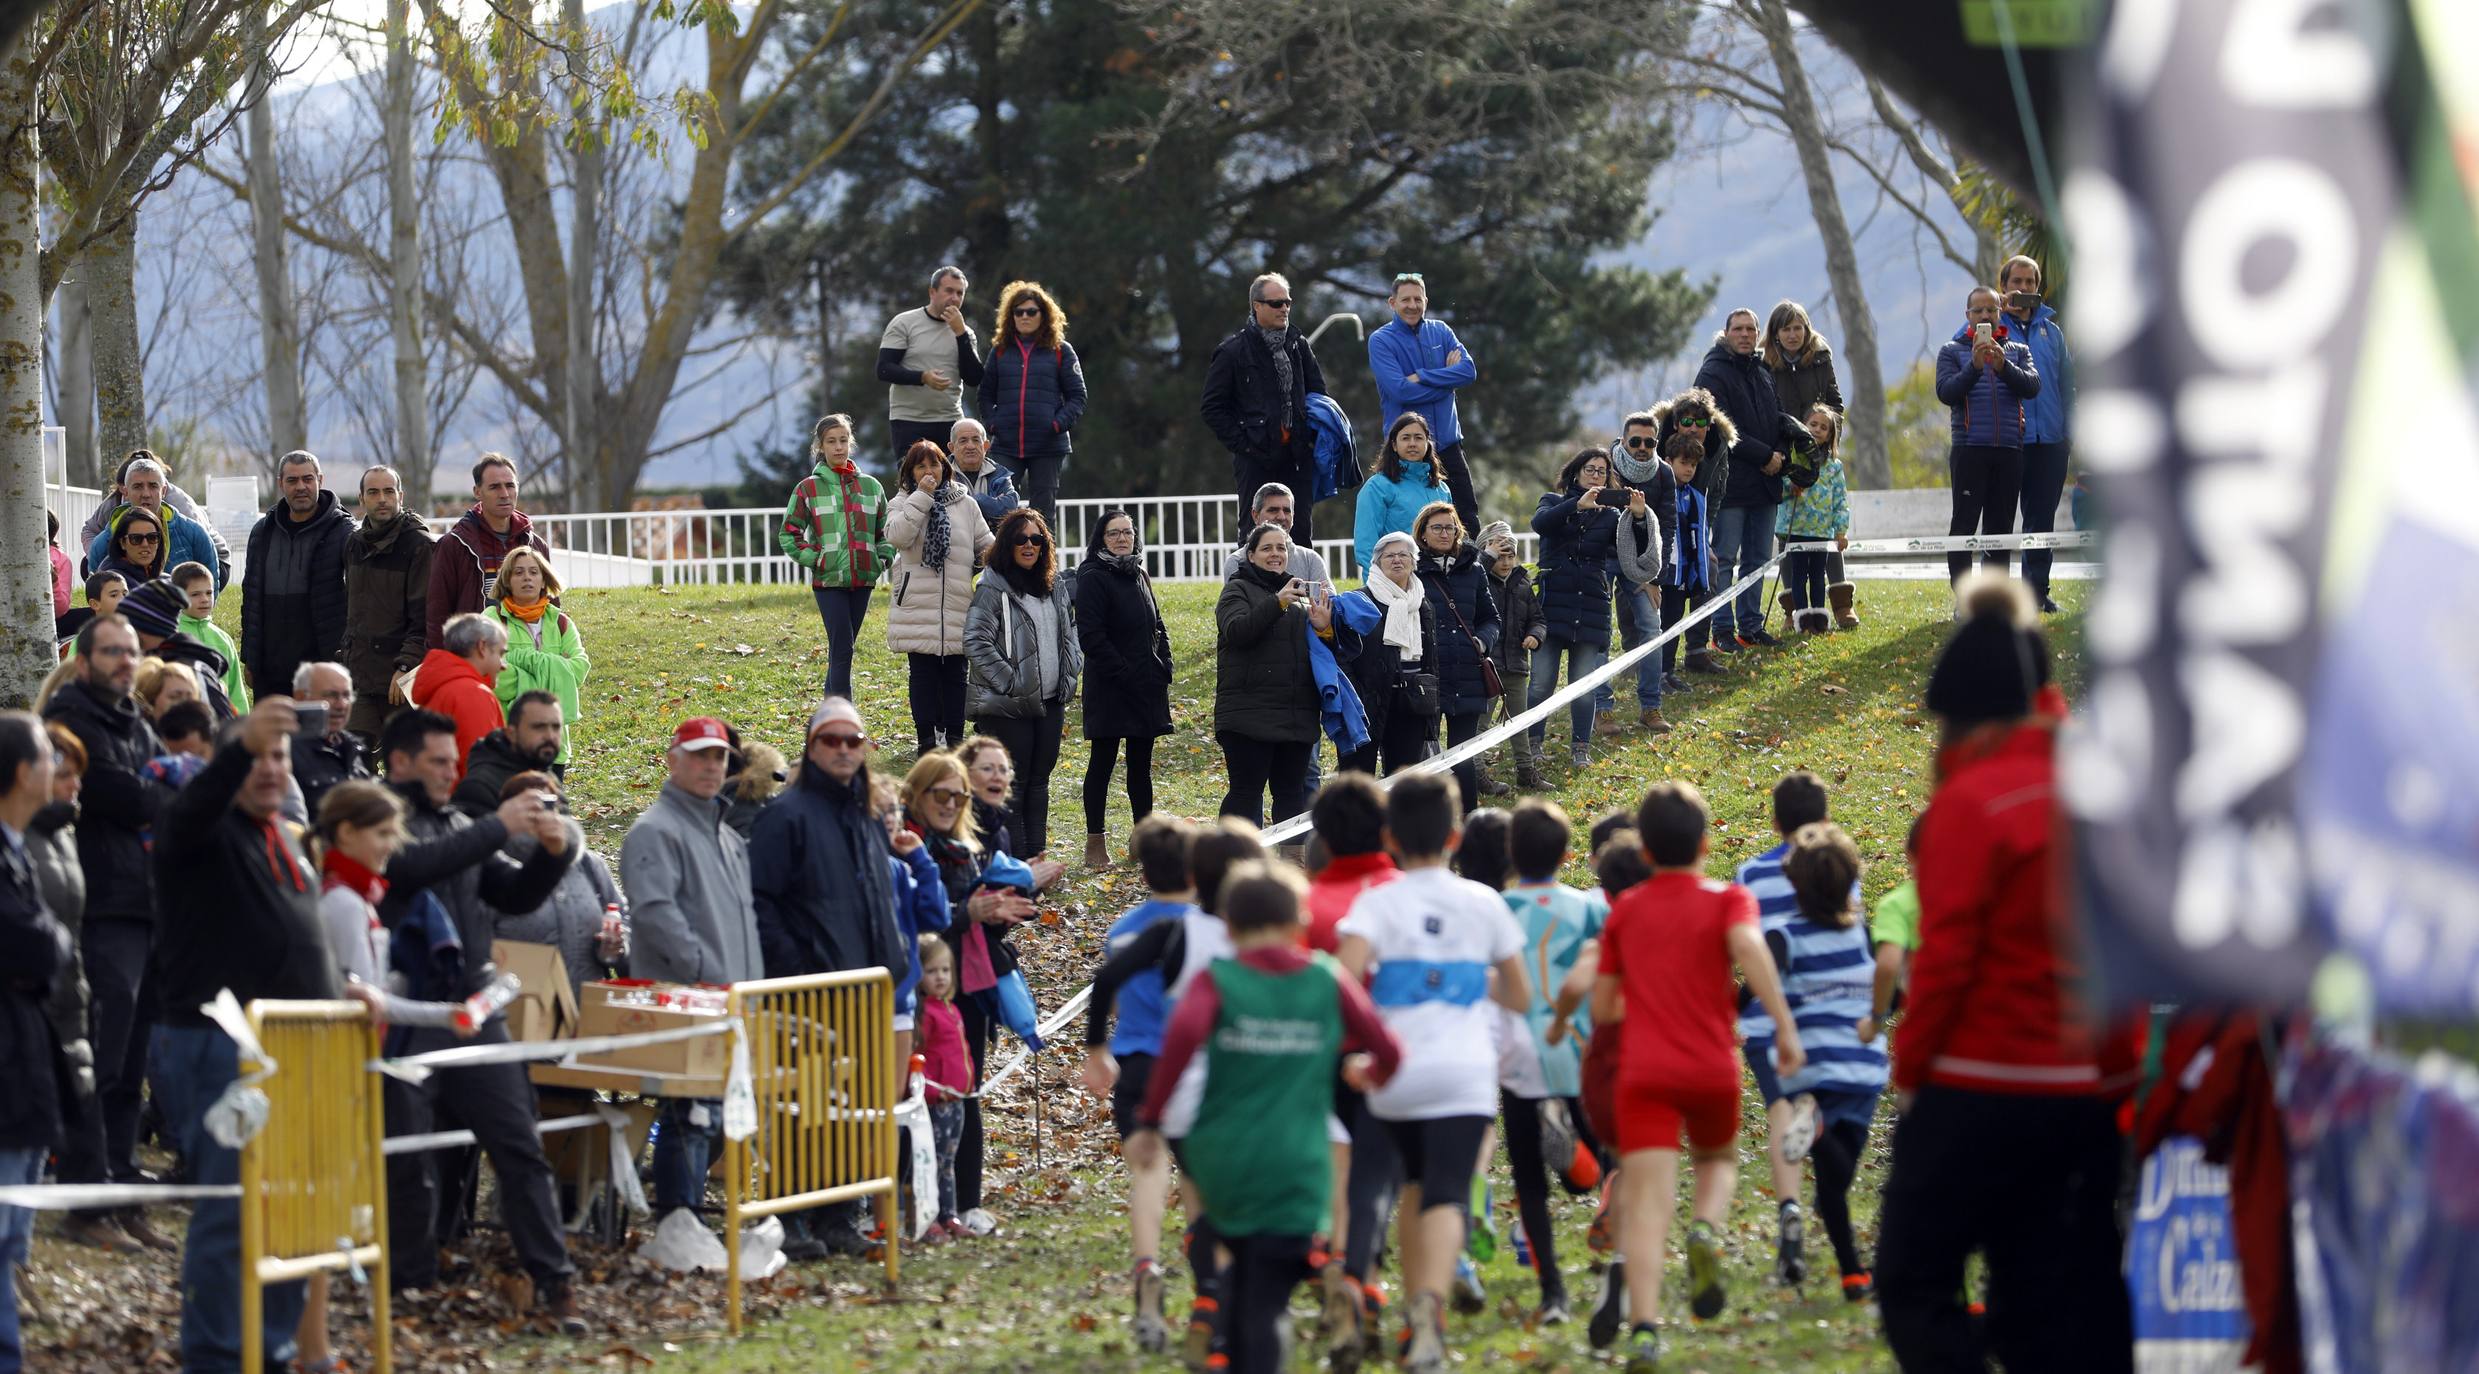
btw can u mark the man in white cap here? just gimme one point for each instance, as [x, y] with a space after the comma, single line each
[690, 921]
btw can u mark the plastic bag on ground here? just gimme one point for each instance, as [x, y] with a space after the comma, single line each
[683, 1244]
[761, 1249]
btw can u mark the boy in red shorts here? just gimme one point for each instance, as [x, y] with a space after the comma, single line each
[1665, 978]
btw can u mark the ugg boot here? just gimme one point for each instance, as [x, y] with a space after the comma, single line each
[1787, 602]
[1815, 621]
[1844, 595]
[1097, 851]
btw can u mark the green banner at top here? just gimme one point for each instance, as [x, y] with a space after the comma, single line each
[2036, 23]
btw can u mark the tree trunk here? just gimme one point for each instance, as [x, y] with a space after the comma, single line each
[76, 405]
[585, 187]
[279, 329]
[25, 569]
[404, 248]
[1863, 377]
[110, 267]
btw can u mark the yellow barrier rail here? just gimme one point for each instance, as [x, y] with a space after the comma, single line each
[313, 1183]
[822, 1061]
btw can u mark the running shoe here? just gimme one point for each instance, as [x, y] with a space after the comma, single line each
[1705, 1297]
[1758, 639]
[1799, 1136]
[1470, 1297]
[1858, 1287]
[1152, 1333]
[1724, 642]
[1553, 1311]
[1428, 1350]
[1790, 1254]
[1602, 1236]
[1340, 1328]
[1644, 1351]
[1609, 1313]
[1197, 1351]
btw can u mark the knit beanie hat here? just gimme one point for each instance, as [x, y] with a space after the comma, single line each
[1996, 663]
[155, 607]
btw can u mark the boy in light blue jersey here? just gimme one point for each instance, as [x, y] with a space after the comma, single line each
[1798, 800]
[1562, 927]
[1828, 976]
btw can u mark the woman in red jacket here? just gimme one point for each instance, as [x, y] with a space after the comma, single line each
[2008, 1140]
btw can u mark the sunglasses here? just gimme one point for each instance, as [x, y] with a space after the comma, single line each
[1414, 277]
[1017, 541]
[1639, 441]
[951, 796]
[142, 539]
[1685, 423]
[1028, 309]
[836, 741]
[1283, 304]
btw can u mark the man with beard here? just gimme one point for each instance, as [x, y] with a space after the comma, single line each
[292, 583]
[386, 585]
[118, 804]
[528, 743]
[465, 567]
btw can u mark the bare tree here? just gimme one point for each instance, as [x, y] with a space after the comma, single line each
[74, 378]
[404, 253]
[279, 332]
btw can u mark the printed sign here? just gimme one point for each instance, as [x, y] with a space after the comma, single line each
[2182, 1266]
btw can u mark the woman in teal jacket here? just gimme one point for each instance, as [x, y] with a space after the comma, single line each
[545, 652]
[1406, 479]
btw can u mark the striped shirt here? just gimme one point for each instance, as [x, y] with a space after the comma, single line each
[1776, 906]
[1827, 980]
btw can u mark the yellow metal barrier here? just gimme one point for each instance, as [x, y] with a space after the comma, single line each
[822, 1059]
[313, 1183]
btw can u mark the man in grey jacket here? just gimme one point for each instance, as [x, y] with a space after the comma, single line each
[692, 920]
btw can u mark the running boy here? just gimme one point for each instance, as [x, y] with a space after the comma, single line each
[1432, 941]
[1160, 847]
[1665, 969]
[1827, 975]
[1561, 926]
[1277, 1019]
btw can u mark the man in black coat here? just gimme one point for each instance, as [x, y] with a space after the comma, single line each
[118, 805]
[1256, 402]
[528, 743]
[292, 586]
[322, 761]
[34, 951]
[1752, 485]
[460, 862]
[386, 590]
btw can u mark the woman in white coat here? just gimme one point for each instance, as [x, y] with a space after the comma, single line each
[940, 539]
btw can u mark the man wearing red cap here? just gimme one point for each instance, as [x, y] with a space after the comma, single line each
[690, 921]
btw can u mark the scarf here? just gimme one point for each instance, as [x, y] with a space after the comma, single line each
[936, 536]
[531, 615]
[1638, 473]
[339, 869]
[1402, 603]
[1278, 342]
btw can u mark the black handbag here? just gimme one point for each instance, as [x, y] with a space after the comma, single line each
[1417, 693]
[1491, 684]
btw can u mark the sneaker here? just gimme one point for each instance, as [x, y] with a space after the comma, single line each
[2048, 607]
[978, 1223]
[1644, 1351]
[1341, 1327]
[1609, 1311]
[1601, 1237]
[1579, 756]
[133, 1224]
[1725, 642]
[1705, 1297]
[1470, 1297]
[1197, 1350]
[1152, 1333]
[1758, 639]
[1702, 663]
[1799, 1136]
[560, 1304]
[842, 1238]
[1427, 1354]
[1858, 1287]
[99, 1230]
[1373, 1322]
[1790, 1256]
[1553, 1311]
[1652, 722]
[1676, 681]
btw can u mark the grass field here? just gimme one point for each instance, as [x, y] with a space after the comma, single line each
[1051, 1292]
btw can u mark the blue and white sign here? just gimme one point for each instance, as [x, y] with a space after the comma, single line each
[2182, 1266]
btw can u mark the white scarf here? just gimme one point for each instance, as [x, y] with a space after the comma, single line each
[1402, 603]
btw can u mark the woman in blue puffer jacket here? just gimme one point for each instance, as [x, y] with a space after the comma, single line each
[1984, 383]
[1579, 538]
[1405, 480]
[1467, 630]
[1032, 393]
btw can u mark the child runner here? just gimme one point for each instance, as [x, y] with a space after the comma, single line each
[1432, 940]
[1819, 509]
[1277, 1018]
[1619, 864]
[1826, 977]
[1160, 847]
[949, 1069]
[1894, 927]
[1665, 967]
[1798, 799]
[1560, 927]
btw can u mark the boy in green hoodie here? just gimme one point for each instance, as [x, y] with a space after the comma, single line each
[197, 582]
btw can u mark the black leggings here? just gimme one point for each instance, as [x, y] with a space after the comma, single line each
[1522, 1116]
[1256, 765]
[978, 1033]
[1256, 1296]
[1837, 1152]
[1033, 747]
[937, 700]
[1097, 780]
[1370, 1187]
[1467, 773]
[1405, 740]
[1673, 607]
[1987, 482]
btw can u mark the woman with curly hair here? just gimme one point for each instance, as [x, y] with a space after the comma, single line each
[1032, 393]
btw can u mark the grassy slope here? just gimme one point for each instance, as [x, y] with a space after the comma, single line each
[1051, 1293]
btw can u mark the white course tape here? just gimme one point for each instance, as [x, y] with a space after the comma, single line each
[444, 1140]
[58, 1197]
[416, 1068]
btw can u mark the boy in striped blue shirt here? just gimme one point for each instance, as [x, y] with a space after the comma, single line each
[1798, 800]
[1828, 977]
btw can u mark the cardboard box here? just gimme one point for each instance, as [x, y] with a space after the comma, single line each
[634, 1006]
[545, 1007]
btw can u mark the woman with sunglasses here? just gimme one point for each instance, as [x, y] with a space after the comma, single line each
[1023, 659]
[136, 547]
[938, 806]
[1032, 393]
[940, 539]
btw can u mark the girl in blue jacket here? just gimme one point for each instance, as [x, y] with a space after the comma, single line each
[1406, 479]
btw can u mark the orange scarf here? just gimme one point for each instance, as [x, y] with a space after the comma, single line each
[531, 615]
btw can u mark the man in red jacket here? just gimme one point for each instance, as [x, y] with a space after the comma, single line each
[464, 566]
[457, 681]
[2008, 1141]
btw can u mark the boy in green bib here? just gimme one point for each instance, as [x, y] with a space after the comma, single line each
[1276, 1018]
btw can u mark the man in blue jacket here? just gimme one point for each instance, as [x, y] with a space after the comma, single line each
[2048, 427]
[185, 540]
[992, 487]
[1420, 365]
